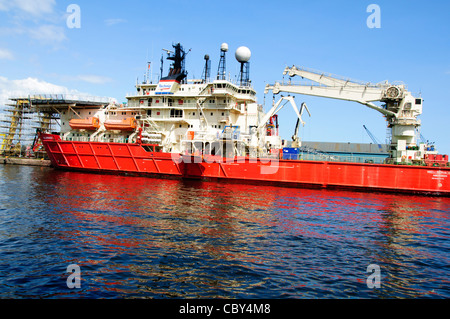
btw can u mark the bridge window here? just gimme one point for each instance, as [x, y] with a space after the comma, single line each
[176, 113]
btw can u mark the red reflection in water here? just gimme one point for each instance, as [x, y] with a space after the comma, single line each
[89, 196]
[216, 217]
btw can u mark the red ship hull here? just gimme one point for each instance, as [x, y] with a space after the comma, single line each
[140, 159]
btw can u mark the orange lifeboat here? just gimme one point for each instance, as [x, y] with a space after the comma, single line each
[128, 124]
[90, 124]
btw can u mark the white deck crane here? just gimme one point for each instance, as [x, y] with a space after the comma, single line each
[400, 108]
[259, 139]
[295, 140]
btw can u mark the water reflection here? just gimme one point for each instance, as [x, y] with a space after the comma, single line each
[143, 237]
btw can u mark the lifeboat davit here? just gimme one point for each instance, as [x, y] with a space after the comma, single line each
[128, 124]
[90, 124]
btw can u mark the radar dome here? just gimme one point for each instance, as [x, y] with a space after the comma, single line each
[243, 54]
[224, 47]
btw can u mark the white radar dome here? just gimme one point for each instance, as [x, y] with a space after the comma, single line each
[224, 47]
[243, 54]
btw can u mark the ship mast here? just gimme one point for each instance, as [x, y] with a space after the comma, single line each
[221, 71]
[177, 71]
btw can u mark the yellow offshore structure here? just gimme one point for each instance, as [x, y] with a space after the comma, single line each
[15, 127]
[26, 115]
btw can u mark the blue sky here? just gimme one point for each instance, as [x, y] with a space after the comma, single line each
[39, 52]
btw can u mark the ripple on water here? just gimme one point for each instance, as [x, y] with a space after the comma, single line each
[140, 237]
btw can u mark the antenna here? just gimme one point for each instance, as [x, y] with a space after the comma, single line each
[221, 71]
[243, 55]
[207, 69]
[148, 71]
[162, 64]
[148, 67]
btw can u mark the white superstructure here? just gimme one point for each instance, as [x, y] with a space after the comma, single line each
[185, 115]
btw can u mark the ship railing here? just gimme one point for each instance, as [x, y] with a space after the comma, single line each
[230, 135]
[70, 97]
[78, 139]
[200, 135]
[339, 158]
[97, 139]
[186, 105]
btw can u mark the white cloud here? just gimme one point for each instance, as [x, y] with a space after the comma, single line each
[28, 86]
[6, 55]
[36, 19]
[48, 33]
[94, 79]
[31, 7]
[45, 33]
[32, 86]
[110, 22]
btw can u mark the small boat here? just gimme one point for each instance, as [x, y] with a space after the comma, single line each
[90, 124]
[128, 124]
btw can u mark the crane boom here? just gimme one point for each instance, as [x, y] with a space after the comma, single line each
[400, 108]
[319, 77]
[372, 137]
[276, 108]
[259, 130]
[295, 140]
[363, 96]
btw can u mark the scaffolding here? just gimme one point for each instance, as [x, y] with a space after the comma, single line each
[16, 127]
[24, 116]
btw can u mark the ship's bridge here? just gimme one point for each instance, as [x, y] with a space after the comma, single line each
[222, 87]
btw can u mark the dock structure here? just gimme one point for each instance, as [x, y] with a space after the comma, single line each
[25, 161]
[25, 115]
